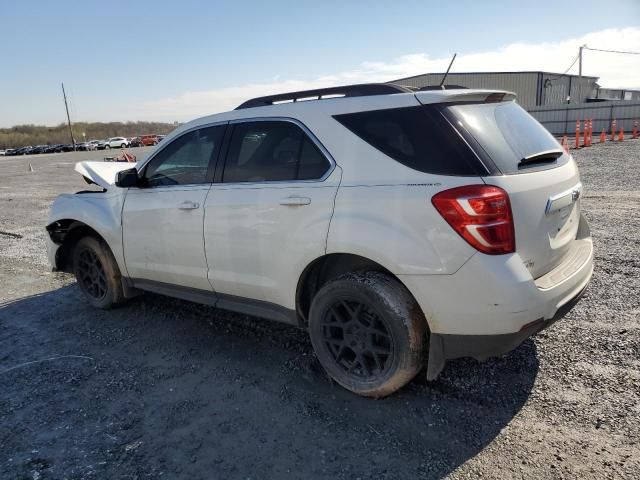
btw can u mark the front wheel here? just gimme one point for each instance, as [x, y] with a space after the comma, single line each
[123, 145]
[97, 273]
[368, 333]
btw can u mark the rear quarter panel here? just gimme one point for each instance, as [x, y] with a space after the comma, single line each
[397, 227]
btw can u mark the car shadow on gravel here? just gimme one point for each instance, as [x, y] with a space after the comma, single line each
[165, 387]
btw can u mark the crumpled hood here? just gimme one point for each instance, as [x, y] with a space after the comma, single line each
[102, 174]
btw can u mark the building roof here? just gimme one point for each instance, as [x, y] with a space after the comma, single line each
[495, 73]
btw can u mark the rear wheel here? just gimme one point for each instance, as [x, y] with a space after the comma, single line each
[368, 333]
[107, 146]
[97, 273]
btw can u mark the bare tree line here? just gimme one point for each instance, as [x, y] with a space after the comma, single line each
[23, 135]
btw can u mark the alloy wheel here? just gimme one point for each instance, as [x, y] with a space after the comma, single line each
[91, 274]
[358, 339]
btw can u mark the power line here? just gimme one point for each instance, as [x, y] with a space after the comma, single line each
[568, 68]
[611, 51]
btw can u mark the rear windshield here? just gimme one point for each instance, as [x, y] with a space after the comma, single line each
[418, 137]
[506, 133]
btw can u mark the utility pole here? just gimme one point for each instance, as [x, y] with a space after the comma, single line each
[73, 140]
[580, 73]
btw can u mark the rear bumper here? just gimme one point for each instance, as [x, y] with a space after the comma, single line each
[443, 347]
[492, 303]
[492, 295]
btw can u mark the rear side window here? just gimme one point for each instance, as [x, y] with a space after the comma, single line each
[272, 151]
[507, 134]
[417, 137]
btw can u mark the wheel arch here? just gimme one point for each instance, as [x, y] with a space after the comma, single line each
[330, 266]
[66, 233]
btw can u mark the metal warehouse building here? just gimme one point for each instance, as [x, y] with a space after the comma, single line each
[533, 88]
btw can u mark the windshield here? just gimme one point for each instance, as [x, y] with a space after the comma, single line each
[507, 134]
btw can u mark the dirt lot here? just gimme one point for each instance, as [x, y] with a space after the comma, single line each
[164, 388]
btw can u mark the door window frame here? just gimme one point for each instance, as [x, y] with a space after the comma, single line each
[227, 141]
[213, 162]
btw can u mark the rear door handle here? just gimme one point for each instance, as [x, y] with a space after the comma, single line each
[294, 201]
[189, 205]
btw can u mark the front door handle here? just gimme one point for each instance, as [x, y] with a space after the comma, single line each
[189, 205]
[294, 201]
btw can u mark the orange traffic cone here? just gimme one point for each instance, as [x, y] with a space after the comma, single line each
[603, 136]
[621, 135]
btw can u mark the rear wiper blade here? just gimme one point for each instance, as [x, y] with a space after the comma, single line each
[547, 156]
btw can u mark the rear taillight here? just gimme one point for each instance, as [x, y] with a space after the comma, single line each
[481, 214]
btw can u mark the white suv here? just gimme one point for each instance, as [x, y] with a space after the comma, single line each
[116, 142]
[393, 224]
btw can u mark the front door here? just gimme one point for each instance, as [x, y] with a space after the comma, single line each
[162, 220]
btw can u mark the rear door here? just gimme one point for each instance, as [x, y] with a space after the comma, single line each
[542, 180]
[163, 220]
[268, 215]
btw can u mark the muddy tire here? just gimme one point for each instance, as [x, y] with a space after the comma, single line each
[368, 333]
[97, 273]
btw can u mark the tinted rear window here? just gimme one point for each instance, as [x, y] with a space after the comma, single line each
[506, 133]
[418, 137]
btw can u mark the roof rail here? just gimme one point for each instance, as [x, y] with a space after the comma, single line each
[361, 90]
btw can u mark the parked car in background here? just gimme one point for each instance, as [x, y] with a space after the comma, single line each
[135, 142]
[149, 140]
[2, 152]
[23, 150]
[99, 144]
[85, 146]
[160, 138]
[10, 152]
[117, 142]
[57, 148]
[40, 149]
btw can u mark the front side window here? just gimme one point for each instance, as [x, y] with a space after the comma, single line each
[272, 151]
[185, 161]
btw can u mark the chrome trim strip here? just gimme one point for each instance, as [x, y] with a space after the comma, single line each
[575, 192]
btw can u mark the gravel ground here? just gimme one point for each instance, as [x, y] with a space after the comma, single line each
[165, 388]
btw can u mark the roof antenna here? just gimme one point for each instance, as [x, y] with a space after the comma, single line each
[447, 72]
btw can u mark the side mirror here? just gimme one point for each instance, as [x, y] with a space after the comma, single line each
[127, 178]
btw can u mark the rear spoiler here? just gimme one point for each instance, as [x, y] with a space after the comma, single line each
[464, 96]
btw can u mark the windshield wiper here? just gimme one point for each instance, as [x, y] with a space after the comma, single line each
[547, 156]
